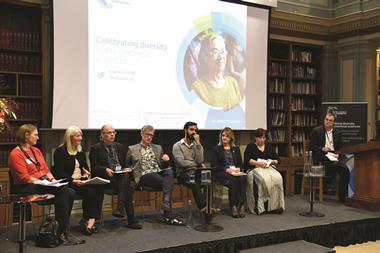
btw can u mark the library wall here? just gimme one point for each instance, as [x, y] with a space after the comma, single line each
[20, 69]
[20, 81]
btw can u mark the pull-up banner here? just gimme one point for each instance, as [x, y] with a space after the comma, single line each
[351, 120]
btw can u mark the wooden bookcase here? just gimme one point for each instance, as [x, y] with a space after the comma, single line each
[378, 92]
[294, 88]
[20, 79]
[20, 68]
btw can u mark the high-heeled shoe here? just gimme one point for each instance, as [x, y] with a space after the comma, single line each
[241, 211]
[85, 230]
[234, 212]
[95, 229]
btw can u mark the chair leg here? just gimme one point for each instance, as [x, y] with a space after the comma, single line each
[102, 218]
[303, 187]
[7, 216]
[143, 206]
[321, 189]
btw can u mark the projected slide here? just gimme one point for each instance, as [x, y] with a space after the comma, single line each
[167, 62]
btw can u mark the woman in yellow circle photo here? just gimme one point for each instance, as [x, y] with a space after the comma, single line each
[213, 86]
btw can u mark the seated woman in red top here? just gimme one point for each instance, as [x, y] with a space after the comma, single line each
[27, 165]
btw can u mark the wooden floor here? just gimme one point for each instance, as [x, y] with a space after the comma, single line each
[369, 247]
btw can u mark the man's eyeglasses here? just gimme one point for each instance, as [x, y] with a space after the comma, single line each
[149, 135]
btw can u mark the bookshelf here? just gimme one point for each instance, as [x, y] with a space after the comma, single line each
[378, 92]
[278, 97]
[20, 68]
[293, 95]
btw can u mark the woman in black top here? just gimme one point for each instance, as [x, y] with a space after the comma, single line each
[70, 163]
[226, 158]
[260, 161]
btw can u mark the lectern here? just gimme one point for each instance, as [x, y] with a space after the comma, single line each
[367, 175]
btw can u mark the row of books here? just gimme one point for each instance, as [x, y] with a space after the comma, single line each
[281, 150]
[4, 153]
[278, 103]
[19, 40]
[304, 120]
[10, 134]
[7, 84]
[304, 72]
[277, 118]
[278, 135]
[29, 109]
[30, 86]
[303, 104]
[20, 63]
[299, 135]
[304, 88]
[277, 69]
[277, 85]
[297, 150]
[302, 56]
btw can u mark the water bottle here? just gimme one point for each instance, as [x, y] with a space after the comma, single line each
[189, 219]
[307, 163]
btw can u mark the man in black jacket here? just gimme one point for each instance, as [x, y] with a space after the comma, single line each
[325, 143]
[107, 160]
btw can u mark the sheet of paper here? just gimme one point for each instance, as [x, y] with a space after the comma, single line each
[331, 157]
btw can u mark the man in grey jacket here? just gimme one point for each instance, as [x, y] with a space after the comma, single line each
[188, 154]
[150, 168]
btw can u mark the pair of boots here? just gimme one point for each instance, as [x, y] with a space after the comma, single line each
[238, 212]
[121, 212]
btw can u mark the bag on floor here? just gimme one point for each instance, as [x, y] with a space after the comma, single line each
[47, 236]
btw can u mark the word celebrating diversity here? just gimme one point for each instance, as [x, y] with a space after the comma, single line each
[131, 43]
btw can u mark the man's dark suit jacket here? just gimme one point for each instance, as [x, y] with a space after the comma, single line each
[64, 163]
[317, 142]
[99, 158]
[218, 159]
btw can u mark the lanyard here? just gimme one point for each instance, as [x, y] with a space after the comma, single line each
[35, 161]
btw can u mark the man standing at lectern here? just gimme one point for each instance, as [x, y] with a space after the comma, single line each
[325, 143]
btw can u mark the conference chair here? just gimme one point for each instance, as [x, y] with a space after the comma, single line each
[149, 194]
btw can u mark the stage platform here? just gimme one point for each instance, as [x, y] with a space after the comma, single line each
[341, 225]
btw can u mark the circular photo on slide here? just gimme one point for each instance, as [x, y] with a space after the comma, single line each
[214, 68]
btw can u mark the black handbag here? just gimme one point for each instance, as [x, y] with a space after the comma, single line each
[47, 236]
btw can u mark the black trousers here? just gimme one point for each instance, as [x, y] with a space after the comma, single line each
[196, 188]
[160, 180]
[63, 200]
[92, 200]
[236, 187]
[333, 168]
[121, 183]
